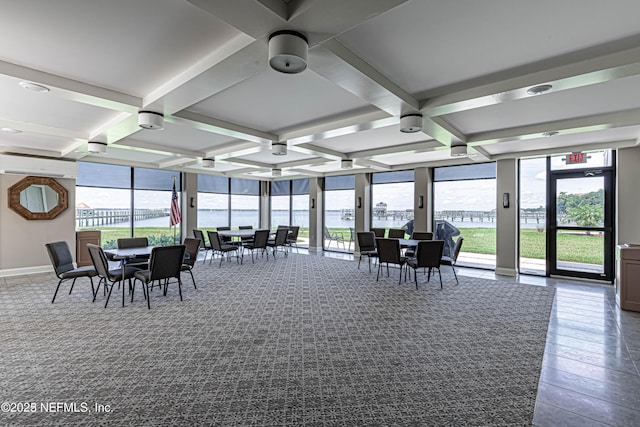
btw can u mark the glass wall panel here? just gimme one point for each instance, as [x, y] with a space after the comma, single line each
[213, 211]
[339, 215]
[151, 217]
[245, 210]
[392, 200]
[280, 211]
[533, 221]
[104, 209]
[300, 216]
[467, 208]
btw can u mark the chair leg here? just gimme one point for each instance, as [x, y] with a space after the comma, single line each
[379, 267]
[440, 275]
[359, 260]
[180, 287]
[415, 275]
[194, 280]
[148, 295]
[109, 296]
[72, 283]
[454, 274]
[93, 291]
[56, 292]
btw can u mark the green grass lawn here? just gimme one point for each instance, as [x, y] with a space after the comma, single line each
[571, 247]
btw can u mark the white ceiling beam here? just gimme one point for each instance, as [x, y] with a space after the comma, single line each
[136, 145]
[372, 164]
[73, 90]
[302, 163]
[174, 161]
[344, 68]
[578, 74]
[314, 150]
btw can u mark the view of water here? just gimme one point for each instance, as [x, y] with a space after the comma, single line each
[214, 218]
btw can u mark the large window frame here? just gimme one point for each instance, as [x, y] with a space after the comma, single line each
[230, 192]
[400, 187]
[335, 193]
[295, 195]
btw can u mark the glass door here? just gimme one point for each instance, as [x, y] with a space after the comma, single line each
[580, 237]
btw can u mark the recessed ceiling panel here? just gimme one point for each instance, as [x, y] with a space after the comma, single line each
[126, 155]
[33, 141]
[373, 139]
[272, 101]
[615, 95]
[129, 46]
[184, 137]
[265, 156]
[422, 45]
[47, 109]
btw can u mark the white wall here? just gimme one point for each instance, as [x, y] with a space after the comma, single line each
[628, 196]
[22, 242]
[507, 218]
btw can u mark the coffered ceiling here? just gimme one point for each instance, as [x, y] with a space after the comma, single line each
[467, 66]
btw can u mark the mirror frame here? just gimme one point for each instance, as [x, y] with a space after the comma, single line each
[17, 188]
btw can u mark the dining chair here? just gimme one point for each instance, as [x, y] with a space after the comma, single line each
[192, 247]
[259, 243]
[451, 260]
[418, 235]
[428, 255]
[280, 241]
[245, 240]
[226, 239]
[135, 242]
[335, 236]
[218, 247]
[165, 264]
[198, 234]
[396, 233]
[62, 261]
[379, 232]
[108, 277]
[367, 245]
[292, 237]
[389, 253]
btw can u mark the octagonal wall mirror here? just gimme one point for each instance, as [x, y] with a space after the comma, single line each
[38, 198]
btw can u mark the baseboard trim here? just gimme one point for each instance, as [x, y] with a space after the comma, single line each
[25, 271]
[506, 271]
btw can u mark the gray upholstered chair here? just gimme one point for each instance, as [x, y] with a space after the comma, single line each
[62, 261]
[280, 241]
[206, 247]
[135, 242]
[192, 247]
[367, 245]
[396, 233]
[379, 232]
[389, 253]
[108, 277]
[428, 255]
[261, 237]
[165, 264]
[451, 260]
[218, 247]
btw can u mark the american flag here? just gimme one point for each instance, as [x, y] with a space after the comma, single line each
[176, 218]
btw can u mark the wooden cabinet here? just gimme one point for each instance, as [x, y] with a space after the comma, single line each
[82, 238]
[628, 277]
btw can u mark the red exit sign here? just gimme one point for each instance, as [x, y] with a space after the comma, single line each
[574, 158]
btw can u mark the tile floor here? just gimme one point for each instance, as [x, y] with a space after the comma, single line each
[591, 367]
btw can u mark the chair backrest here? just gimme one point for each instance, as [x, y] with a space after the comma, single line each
[293, 232]
[192, 246]
[133, 242]
[396, 233]
[60, 256]
[283, 226]
[166, 261]
[422, 235]
[388, 250]
[198, 234]
[245, 227]
[99, 260]
[214, 239]
[379, 232]
[223, 238]
[456, 249]
[260, 238]
[327, 235]
[366, 241]
[429, 253]
[281, 236]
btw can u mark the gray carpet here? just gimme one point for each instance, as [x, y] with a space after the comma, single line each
[300, 341]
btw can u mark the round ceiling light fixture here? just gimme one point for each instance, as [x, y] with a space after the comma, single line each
[97, 147]
[537, 90]
[346, 164]
[151, 120]
[279, 148]
[208, 162]
[288, 51]
[33, 87]
[276, 172]
[458, 149]
[411, 123]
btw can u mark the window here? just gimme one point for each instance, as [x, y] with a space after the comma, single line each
[464, 203]
[290, 206]
[339, 212]
[213, 202]
[392, 199]
[533, 211]
[123, 202]
[245, 202]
